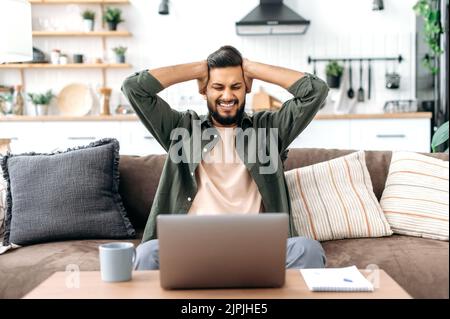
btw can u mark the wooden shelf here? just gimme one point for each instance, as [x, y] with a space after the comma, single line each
[81, 34]
[103, 35]
[79, 1]
[65, 66]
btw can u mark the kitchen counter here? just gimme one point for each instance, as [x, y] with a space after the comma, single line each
[133, 117]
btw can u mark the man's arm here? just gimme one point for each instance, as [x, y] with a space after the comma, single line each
[142, 88]
[270, 73]
[294, 116]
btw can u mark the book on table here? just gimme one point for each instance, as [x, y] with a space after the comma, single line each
[336, 279]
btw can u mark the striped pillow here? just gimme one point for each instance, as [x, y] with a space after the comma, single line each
[335, 200]
[415, 198]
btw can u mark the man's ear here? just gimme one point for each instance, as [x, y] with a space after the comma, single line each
[202, 84]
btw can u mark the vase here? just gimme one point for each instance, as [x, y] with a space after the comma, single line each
[120, 59]
[112, 26]
[88, 25]
[333, 81]
[41, 109]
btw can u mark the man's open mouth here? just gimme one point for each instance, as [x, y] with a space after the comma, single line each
[227, 105]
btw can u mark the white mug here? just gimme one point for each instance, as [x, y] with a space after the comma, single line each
[116, 261]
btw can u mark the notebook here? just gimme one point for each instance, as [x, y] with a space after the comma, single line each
[336, 279]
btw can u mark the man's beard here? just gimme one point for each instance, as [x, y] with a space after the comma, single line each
[226, 120]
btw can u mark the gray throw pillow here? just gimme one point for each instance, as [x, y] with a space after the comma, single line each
[65, 195]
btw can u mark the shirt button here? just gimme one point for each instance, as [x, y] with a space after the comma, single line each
[189, 199]
[192, 173]
[205, 150]
[215, 135]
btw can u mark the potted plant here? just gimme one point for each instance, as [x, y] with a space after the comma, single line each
[6, 103]
[120, 53]
[431, 14]
[334, 73]
[88, 20]
[113, 16]
[41, 101]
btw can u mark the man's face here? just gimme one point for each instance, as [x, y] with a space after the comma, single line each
[225, 94]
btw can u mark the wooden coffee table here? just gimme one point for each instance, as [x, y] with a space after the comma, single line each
[145, 284]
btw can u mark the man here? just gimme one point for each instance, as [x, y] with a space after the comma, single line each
[200, 181]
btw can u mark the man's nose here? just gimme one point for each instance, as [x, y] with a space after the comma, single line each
[227, 95]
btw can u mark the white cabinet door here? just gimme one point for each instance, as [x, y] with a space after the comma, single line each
[63, 135]
[391, 134]
[137, 140]
[25, 136]
[324, 134]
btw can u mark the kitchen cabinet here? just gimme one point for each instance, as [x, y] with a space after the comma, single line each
[50, 133]
[50, 136]
[324, 134]
[392, 134]
[407, 134]
[137, 140]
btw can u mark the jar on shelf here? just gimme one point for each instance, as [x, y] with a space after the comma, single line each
[18, 100]
[105, 96]
[54, 56]
[63, 59]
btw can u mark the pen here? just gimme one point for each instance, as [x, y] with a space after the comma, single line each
[348, 280]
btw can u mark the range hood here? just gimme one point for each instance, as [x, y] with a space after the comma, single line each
[272, 17]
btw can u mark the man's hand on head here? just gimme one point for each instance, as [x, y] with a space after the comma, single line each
[247, 78]
[202, 81]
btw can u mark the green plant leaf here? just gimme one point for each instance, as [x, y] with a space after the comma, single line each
[334, 69]
[440, 136]
[429, 11]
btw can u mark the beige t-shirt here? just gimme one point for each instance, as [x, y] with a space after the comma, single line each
[224, 184]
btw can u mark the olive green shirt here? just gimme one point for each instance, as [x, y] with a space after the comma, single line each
[178, 186]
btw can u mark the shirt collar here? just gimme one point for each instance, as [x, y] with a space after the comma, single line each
[246, 120]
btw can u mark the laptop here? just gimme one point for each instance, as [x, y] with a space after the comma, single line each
[226, 251]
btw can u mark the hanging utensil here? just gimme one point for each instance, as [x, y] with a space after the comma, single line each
[350, 92]
[361, 89]
[314, 68]
[369, 80]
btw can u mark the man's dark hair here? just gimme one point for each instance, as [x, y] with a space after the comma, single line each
[224, 57]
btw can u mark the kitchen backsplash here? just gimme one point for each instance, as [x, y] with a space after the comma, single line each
[195, 28]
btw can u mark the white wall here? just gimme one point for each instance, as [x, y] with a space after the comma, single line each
[195, 28]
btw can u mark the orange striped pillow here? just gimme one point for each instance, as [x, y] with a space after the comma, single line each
[415, 197]
[335, 200]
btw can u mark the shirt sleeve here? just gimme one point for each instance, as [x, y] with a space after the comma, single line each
[159, 118]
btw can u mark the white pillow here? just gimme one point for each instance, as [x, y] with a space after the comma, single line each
[415, 197]
[335, 200]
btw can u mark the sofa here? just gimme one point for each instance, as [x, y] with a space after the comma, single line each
[420, 266]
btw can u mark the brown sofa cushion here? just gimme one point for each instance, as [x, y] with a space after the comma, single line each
[420, 266]
[139, 178]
